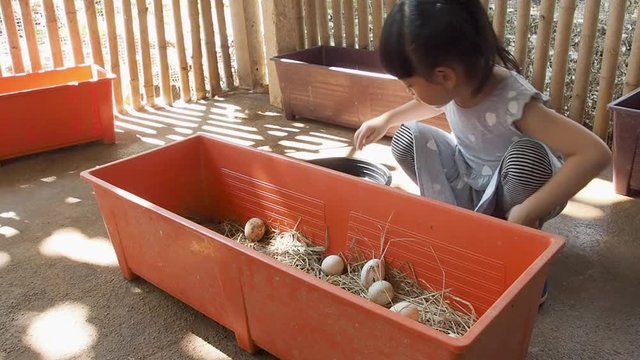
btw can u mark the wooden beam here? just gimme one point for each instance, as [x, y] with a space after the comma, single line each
[323, 22]
[145, 53]
[94, 33]
[196, 49]
[298, 7]
[134, 81]
[30, 34]
[485, 3]
[52, 33]
[561, 53]
[632, 80]
[376, 17]
[12, 36]
[585, 57]
[163, 62]
[499, 18]
[522, 33]
[243, 59]
[609, 66]
[281, 36]
[336, 10]
[210, 47]
[74, 31]
[541, 56]
[185, 90]
[349, 24]
[255, 40]
[388, 5]
[311, 23]
[363, 24]
[224, 44]
[112, 36]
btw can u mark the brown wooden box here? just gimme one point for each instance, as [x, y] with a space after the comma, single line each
[340, 86]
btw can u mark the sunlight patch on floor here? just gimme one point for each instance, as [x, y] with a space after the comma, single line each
[8, 231]
[580, 210]
[9, 215]
[600, 192]
[61, 332]
[72, 200]
[5, 259]
[72, 244]
[197, 348]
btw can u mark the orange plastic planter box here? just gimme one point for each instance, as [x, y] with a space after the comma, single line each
[146, 199]
[52, 109]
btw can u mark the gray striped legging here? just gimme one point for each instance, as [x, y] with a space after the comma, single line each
[526, 168]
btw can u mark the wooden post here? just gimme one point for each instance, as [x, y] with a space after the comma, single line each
[165, 76]
[30, 34]
[74, 31]
[298, 7]
[145, 52]
[336, 9]
[311, 22]
[499, 18]
[323, 22]
[185, 90]
[485, 3]
[609, 65]
[210, 47]
[94, 33]
[632, 80]
[522, 32]
[585, 57]
[224, 44]
[52, 33]
[349, 25]
[243, 62]
[196, 49]
[363, 24]
[388, 5]
[12, 36]
[134, 82]
[281, 34]
[255, 40]
[561, 53]
[376, 17]
[110, 17]
[541, 56]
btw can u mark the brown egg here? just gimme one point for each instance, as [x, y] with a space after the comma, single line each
[407, 309]
[254, 230]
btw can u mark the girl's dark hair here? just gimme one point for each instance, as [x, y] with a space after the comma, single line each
[422, 35]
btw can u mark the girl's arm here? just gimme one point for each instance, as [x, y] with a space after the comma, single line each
[584, 153]
[373, 130]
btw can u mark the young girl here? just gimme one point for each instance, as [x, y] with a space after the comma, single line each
[505, 154]
[508, 155]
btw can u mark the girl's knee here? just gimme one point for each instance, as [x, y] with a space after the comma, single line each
[402, 144]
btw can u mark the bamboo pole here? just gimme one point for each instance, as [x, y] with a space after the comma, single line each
[541, 56]
[336, 9]
[499, 18]
[376, 17]
[243, 59]
[311, 22]
[224, 43]
[110, 17]
[485, 3]
[74, 31]
[349, 25]
[52, 33]
[94, 33]
[163, 62]
[632, 80]
[145, 53]
[388, 5]
[609, 65]
[255, 42]
[134, 82]
[196, 50]
[12, 36]
[185, 90]
[323, 21]
[363, 24]
[30, 34]
[561, 53]
[522, 32]
[299, 24]
[210, 47]
[585, 57]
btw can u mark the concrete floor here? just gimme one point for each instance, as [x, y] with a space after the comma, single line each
[63, 296]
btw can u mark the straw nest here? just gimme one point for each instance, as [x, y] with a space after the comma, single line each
[438, 308]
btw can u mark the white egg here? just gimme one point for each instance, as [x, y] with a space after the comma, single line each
[332, 265]
[372, 271]
[407, 309]
[254, 230]
[380, 292]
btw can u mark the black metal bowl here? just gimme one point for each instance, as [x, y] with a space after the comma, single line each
[356, 167]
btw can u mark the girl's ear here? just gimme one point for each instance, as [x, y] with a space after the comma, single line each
[445, 76]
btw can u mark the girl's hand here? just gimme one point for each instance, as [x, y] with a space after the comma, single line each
[370, 131]
[520, 214]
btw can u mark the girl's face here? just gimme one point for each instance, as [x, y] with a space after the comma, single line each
[436, 92]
